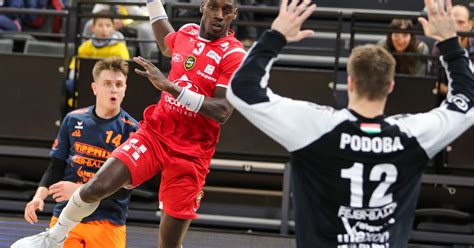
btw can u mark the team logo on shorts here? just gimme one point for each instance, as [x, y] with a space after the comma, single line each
[199, 197]
[138, 149]
[189, 63]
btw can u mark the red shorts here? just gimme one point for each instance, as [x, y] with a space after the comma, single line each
[182, 176]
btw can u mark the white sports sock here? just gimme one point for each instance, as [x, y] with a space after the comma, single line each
[75, 210]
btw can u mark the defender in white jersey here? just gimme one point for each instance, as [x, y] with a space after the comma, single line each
[356, 173]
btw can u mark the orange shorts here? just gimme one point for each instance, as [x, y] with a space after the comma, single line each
[95, 234]
[182, 176]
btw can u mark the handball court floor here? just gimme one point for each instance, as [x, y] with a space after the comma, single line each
[146, 235]
[13, 228]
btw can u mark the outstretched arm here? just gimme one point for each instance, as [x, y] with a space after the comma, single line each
[216, 107]
[160, 25]
[438, 128]
[293, 124]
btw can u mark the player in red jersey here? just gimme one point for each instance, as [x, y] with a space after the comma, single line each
[179, 134]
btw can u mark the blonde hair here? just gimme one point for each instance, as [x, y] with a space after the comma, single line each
[113, 64]
[373, 69]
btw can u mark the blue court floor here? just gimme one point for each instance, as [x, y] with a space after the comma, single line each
[13, 228]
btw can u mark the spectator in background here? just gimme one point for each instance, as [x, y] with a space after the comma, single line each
[400, 43]
[142, 28]
[463, 23]
[11, 22]
[105, 42]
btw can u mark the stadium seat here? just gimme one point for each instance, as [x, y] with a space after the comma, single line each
[46, 48]
[6, 46]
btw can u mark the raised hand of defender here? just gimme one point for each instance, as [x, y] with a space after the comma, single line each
[440, 23]
[291, 17]
[153, 74]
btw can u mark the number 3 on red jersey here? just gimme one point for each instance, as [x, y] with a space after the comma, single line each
[200, 48]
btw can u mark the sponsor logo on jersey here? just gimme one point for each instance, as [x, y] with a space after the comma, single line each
[177, 57]
[127, 121]
[213, 55]
[367, 214]
[76, 133]
[363, 230]
[370, 144]
[225, 46]
[93, 151]
[172, 104]
[461, 101]
[209, 69]
[89, 162]
[200, 73]
[86, 176]
[184, 82]
[79, 125]
[189, 63]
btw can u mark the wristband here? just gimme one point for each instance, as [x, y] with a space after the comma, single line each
[156, 11]
[191, 100]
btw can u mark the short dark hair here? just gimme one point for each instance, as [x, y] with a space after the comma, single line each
[373, 69]
[113, 63]
[102, 12]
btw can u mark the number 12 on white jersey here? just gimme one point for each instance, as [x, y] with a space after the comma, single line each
[378, 198]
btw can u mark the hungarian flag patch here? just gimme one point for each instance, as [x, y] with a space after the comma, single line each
[370, 128]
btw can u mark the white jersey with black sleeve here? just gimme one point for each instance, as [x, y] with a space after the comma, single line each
[355, 180]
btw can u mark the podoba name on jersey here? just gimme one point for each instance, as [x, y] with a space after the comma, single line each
[370, 144]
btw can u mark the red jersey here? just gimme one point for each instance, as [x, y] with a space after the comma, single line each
[199, 65]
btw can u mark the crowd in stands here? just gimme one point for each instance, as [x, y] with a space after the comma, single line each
[411, 54]
[15, 22]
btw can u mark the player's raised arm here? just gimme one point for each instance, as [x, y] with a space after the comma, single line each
[455, 60]
[439, 127]
[291, 123]
[160, 24]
